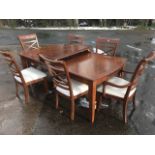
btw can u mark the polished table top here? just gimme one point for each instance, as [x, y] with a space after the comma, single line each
[93, 66]
[55, 51]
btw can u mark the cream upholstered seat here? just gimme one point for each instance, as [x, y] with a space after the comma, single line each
[99, 51]
[77, 88]
[30, 74]
[114, 91]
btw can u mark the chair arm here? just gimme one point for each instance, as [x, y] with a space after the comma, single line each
[122, 73]
[118, 86]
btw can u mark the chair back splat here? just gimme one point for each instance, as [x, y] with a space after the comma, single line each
[14, 68]
[58, 70]
[139, 71]
[107, 45]
[75, 39]
[29, 41]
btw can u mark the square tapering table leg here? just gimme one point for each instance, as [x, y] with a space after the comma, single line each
[92, 100]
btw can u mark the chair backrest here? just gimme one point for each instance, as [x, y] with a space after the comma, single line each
[14, 68]
[108, 45]
[58, 70]
[75, 39]
[139, 71]
[29, 41]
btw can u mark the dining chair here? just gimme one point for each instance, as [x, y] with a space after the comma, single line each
[120, 88]
[64, 85]
[106, 46]
[25, 77]
[75, 39]
[29, 41]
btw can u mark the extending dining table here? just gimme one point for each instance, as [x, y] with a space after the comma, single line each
[53, 51]
[83, 65]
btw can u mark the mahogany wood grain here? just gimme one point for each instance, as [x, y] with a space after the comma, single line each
[54, 51]
[92, 66]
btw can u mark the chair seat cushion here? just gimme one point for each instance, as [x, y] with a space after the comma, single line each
[30, 74]
[114, 91]
[99, 51]
[77, 87]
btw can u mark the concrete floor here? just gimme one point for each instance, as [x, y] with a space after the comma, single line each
[40, 116]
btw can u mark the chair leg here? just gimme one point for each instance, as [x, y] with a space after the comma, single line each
[57, 101]
[99, 102]
[17, 95]
[45, 85]
[26, 94]
[134, 101]
[125, 106]
[72, 112]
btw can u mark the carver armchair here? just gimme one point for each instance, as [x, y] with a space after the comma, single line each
[119, 88]
[106, 46]
[75, 39]
[25, 77]
[29, 41]
[64, 85]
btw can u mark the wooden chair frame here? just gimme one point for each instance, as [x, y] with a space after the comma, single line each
[29, 41]
[108, 45]
[15, 70]
[132, 84]
[61, 78]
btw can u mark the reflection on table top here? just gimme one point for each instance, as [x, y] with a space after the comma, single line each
[94, 66]
[55, 51]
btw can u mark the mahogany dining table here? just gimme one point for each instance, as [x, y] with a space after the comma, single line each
[83, 65]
